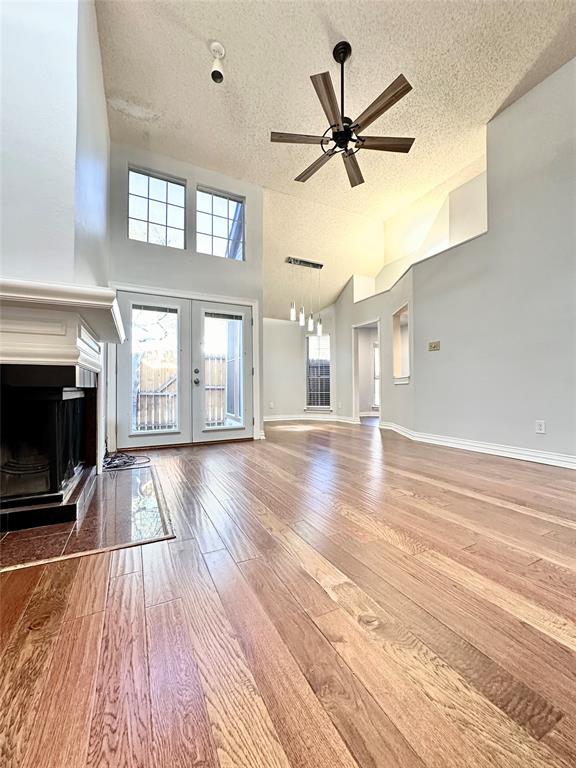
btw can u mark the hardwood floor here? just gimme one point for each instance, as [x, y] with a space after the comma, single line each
[335, 597]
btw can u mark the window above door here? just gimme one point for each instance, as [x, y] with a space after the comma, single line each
[219, 224]
[156, 209]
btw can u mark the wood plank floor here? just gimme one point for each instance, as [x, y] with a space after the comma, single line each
[335, 597]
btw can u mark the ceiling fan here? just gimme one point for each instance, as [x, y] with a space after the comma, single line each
[343, 134]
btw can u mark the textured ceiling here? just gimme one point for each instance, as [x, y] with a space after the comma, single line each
[466, 60]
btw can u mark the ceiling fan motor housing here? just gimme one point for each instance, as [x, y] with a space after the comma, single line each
[343, 138]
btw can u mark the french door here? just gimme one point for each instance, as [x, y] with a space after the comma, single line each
[184, 373]
[222, 372]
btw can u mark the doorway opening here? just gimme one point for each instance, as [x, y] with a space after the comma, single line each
[366, 373]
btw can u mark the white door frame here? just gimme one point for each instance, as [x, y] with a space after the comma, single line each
[180, 294]
[355, 367]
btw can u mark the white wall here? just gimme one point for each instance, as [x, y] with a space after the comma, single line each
[448, 215]
[92, 156]
[468, 210]
[54, 144]
[38, 139]
[284, 368]
[503, 305]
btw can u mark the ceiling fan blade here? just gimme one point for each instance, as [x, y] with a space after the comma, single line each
[298, 138]
[395, 91]
[316, 165]
[385, 143]
[323, 86]
[352, 168]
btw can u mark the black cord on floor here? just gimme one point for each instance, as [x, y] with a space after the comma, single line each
[118, 460]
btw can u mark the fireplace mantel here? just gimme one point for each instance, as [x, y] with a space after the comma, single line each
[57, 324]
[97, 306]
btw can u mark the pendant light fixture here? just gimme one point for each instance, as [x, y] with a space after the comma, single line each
[319, 326]
[303, 320]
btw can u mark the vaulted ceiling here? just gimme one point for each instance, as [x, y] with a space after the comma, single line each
[465, 60]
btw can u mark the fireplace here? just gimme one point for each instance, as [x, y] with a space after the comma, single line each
[53, 352]
[48, 441]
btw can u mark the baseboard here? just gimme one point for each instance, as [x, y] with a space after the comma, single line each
[508, 451]
[308, 416]
[371, 414]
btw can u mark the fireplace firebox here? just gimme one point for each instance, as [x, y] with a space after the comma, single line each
[47, 442]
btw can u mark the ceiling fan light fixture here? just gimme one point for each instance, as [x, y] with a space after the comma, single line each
[343, 134]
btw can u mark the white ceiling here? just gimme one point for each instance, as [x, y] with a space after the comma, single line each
[465, 60]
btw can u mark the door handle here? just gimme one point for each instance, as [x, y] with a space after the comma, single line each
[196, 381]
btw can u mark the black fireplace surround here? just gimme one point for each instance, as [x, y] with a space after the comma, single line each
[47, 440]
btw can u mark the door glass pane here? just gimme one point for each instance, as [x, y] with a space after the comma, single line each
[222, 350]
[154, 368]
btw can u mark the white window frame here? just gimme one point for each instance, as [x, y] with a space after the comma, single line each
[324, 408]
[229, 196]
[160, 177]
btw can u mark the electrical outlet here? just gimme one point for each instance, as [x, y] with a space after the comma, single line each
[540, 427]
[271, 405]
[433, 346]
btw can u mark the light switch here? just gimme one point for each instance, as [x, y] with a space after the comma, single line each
[433, 346]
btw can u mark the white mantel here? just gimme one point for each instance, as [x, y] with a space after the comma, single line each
[57, 324]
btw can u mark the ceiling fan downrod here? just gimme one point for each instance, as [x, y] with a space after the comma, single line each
[341, 53]
[343, 136]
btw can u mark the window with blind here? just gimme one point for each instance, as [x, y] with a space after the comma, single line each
[318, 371]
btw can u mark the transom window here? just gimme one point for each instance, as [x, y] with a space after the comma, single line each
[219, 224]
[318, 371]
[156, 210]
